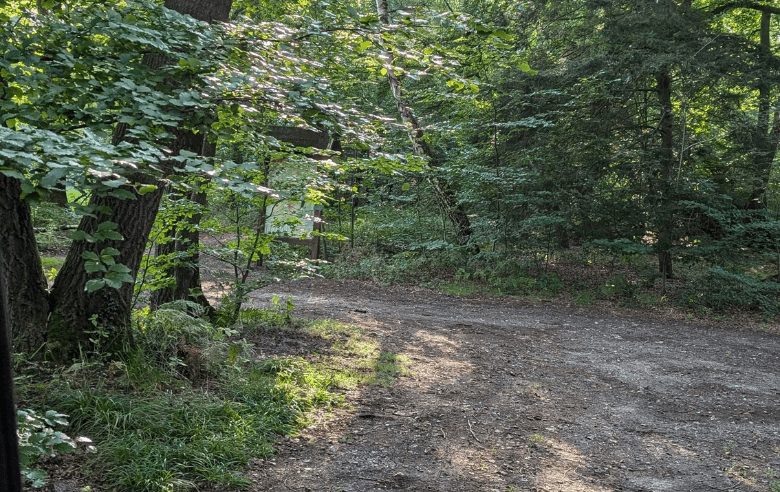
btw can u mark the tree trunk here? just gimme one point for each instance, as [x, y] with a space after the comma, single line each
[10, 479]
[75, 312]
[186, 243]
[24, 276]
[766, 138]
[441, 189]
[666, 218]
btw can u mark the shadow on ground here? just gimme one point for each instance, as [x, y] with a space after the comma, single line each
[509, 397]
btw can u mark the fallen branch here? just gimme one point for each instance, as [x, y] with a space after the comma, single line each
[472, 431]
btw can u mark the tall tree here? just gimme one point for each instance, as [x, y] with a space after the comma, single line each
[74, 310]
[441, 188]
[766, 132]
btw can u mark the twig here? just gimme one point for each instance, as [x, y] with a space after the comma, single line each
[444, 434]
[472, 431]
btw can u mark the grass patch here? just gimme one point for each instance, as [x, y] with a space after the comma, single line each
[50, 262]
[356, 359]
[193, 405]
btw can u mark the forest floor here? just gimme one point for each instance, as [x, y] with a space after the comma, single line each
[501, 394]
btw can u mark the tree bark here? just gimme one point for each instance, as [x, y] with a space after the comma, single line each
[445, 196]
[75, 312]
[185, 242]
[27, 287]
[666, 218]
[766, 138]
[10, 479]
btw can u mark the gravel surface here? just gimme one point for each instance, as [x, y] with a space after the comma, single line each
[505, 395]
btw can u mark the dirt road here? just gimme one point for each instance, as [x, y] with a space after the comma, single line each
[504, 396]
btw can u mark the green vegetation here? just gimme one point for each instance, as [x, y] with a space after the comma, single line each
[193, 403]
[613, 152]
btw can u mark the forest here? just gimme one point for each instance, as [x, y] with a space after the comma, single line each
[160, 161]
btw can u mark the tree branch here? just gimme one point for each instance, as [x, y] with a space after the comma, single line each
[746, 5]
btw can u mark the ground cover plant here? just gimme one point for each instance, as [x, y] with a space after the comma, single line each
[194, 403]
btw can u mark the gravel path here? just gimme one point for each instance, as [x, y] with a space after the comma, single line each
[506, 396]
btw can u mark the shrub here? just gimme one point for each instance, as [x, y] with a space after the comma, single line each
[38, 437]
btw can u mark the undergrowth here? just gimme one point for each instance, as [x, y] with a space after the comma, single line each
[589, 275]
[194, 403]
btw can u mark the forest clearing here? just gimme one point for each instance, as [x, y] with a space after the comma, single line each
[505, 395]
[389, 244]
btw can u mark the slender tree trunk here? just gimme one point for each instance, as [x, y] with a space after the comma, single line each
[666, 218]
[766, 138]
[186, 242]
[21, 263]
[75, 312]
[445, 196]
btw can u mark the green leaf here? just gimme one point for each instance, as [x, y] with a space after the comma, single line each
[364, 46]
[123, 194]
[405, 186]
[383, 71]
[113, 283]
[82, 236]
[95, 284]
[114, 183]
[107, 226]
[525, 67]
[120, 268]
[92, 267]
[89, 255]
[143, 190]
[120, 277]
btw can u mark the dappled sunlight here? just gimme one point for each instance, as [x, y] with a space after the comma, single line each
[445, 344]
[562, 473]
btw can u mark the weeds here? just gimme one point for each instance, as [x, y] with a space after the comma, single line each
[193, 404]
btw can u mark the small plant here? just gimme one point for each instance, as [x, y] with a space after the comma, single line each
[618, 286]
[587, 298]
[537, 439]
[774, 486]
[462, 275]
[38, 437]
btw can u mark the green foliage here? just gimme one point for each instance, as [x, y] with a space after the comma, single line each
[38, 437]
[618, 286]
[177, 340]
[722, 290]
[587, 298]
[155, 429]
